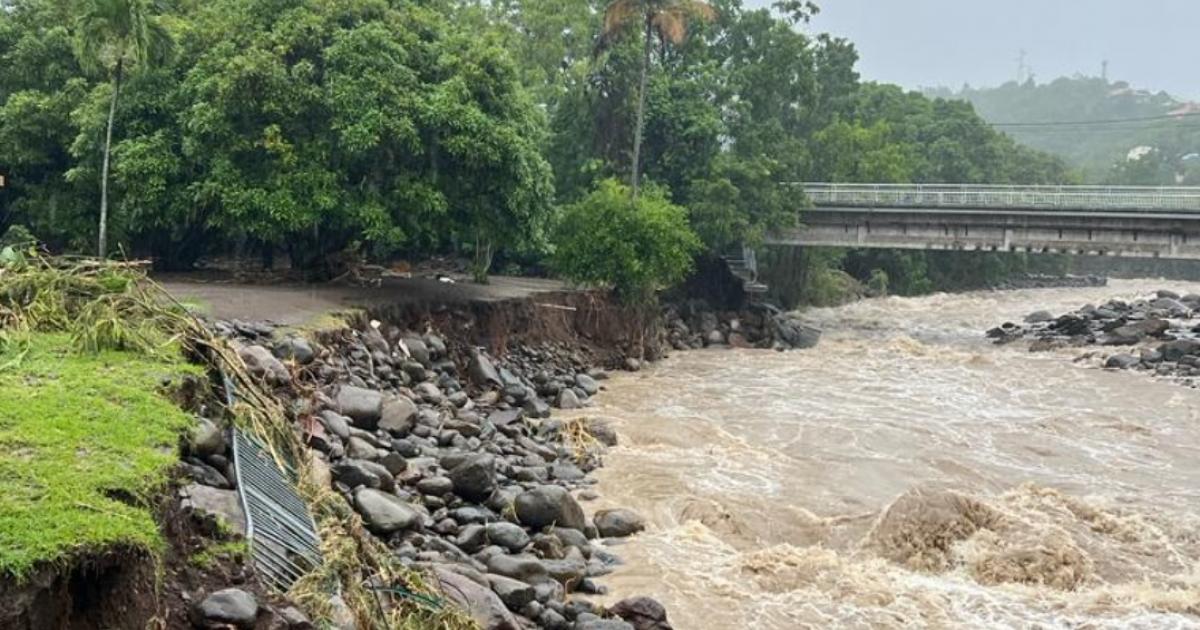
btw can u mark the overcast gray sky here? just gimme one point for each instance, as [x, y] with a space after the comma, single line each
[1154, 44]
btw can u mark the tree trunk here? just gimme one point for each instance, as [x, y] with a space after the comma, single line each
[641, 108]
[112, 114]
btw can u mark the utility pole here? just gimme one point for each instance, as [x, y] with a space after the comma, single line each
[1104, 70]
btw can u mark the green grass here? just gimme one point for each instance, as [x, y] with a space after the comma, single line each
[79, 432]
[212, 554]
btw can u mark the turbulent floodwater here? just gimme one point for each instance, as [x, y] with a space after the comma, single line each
[906, 473]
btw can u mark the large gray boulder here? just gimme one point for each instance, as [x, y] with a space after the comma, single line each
[1122, 361]
[336, 423]
[482, 371]
[356, 472]
[795, 333]
[544, 506]
[643, 613]
[523, 567]
[587, 384]
[618, 523]
[475, 477]
[206, 439]
[230, 607]
[1176, 350]
[508, 535]
[385, 513]
[363, 406]
[398, 415]
[514, 593]
[219, 505]
[476, 600]
[263, 365]
[295, 348]
[418, 350]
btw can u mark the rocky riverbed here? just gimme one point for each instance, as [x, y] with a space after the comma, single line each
[1157, 333]
[451, 453]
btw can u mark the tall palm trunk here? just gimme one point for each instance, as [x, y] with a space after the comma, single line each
[641, 107]
[112, 114]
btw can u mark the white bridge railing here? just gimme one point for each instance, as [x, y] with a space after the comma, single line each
[970, 196]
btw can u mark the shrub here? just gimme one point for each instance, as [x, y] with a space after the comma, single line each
[636, 247]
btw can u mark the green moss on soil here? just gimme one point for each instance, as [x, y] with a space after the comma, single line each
[85, 442]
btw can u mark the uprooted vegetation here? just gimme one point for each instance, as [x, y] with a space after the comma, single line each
[90, 424]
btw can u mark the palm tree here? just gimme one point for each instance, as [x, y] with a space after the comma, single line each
[669, 20]
[117, 36]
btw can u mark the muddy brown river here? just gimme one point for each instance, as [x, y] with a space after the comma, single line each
[907, 473]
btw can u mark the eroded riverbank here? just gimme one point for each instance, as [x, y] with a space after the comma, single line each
[1036, 491]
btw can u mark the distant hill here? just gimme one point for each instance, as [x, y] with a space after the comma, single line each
[1110, 131]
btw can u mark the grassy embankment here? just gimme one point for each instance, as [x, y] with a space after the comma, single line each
[81, 434]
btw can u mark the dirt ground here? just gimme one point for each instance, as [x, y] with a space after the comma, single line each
[295, 304]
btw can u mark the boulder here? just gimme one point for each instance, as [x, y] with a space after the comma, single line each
[354, 473]
[587, 384]
[1176, 350]
[385, 513]
[602, 430]
[643, 613]
[363, 406]
[207, 502]
[398, 415]
[418, 350]
[514, 593]
[336, 423]
[523, 567]
[263, 365]
[1171, 306]
[795, 333]
[568, 400]
[293, 619]
[435, 486]
[618, 523]
[295, 348]
[476, 600]
[549, 505]
[1122, 361]
[475, 478]
[508, 535]
[482, 371]
[229, 607]
[206, 439]
[536, 408]
[1036, 317]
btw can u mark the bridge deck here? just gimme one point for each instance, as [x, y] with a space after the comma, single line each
[983, 197]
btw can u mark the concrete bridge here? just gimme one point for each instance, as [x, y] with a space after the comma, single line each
[1090, 220]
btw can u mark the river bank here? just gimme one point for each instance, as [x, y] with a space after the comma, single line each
[905, 473]
[433, 420]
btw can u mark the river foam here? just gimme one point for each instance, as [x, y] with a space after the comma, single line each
[906, 473]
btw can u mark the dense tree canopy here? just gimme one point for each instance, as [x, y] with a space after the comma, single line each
[386, 127]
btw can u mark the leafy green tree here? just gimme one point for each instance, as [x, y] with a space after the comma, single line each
[669, 20]
[635, 246]
[118, 36]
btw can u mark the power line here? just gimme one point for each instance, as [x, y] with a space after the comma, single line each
[1111, 121]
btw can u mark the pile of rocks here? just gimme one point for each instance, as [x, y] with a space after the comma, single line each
[694, 324]
[1162, 332]
[459, 467]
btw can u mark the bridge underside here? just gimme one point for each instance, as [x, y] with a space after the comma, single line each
[1133, 234]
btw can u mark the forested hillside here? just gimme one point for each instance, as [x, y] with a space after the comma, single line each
[1111, 131]
[326, 130]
